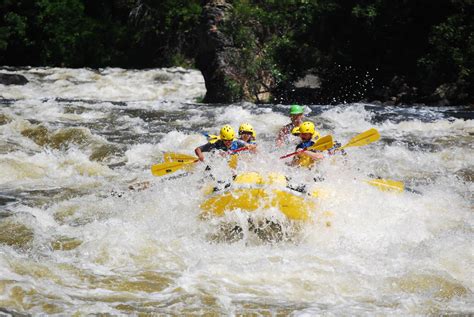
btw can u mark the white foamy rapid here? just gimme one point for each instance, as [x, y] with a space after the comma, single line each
[74, 240]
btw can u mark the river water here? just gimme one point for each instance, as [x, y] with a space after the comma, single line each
[74, 240]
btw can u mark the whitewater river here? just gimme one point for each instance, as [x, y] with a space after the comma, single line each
[74, 240]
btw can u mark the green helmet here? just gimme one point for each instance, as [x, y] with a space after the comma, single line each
[296, 109]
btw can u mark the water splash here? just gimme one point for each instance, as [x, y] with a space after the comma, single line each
[75, 240]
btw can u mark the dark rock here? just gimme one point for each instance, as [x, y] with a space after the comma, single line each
[215, 53]
[444, 94]
[389, 103]
[222, 63]
[441, 103]
[12, 79]
[396, 92]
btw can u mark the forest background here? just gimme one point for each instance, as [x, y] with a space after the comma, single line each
[326, 51]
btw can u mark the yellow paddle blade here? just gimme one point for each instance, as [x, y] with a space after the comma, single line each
[178, 157]
[233, 161]
[364, 138]
[168, 167]
[387, 184]
[322, 144]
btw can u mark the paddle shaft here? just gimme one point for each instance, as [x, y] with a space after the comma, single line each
[294, 153]
[239, 150]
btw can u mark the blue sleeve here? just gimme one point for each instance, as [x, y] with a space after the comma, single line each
[304, 145]
[237, 144]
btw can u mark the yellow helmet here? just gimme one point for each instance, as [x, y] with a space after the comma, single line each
[307, 127]
[245, 127]
[295, 131]
[227, 133]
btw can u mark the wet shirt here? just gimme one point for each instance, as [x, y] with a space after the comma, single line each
[285, 131]
[220, 146]
[305, 160]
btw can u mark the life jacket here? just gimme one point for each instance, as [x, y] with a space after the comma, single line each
[211, 138]
[304, 160]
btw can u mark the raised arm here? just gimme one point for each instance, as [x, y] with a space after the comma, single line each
[199, 153]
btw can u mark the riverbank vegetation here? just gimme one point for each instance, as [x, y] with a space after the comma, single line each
[294, 50]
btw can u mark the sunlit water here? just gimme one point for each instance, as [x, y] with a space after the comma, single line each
[74, 240]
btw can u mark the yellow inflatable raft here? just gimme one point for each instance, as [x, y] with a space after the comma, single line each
[252, 191]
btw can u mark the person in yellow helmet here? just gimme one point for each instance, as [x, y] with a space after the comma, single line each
[247, 133]
[296, 116]
[226, 142]
[308, 135]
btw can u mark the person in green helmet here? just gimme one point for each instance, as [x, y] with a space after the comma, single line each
[296, 116]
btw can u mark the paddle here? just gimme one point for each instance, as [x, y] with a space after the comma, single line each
[321, 144]
[391, 185]
[387, 184]
[363, 138]
[176, 161]
[169, 167]
[178, 157]
[239, 150]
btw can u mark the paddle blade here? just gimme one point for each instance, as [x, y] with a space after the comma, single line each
[178, 157]
[322, 144]
[233, 161]
[364, 138]
[387, 184]
[168, 167]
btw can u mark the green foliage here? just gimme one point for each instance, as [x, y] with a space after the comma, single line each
[429, 42]
[234, 90]
[165, 30]
[266, 34]
[451, 57]
[368, 13]
[351, 40]
[63, 29]
[98, 33]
